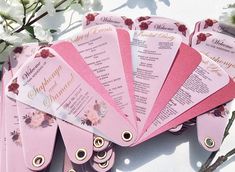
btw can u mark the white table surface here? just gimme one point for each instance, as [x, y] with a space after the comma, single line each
[164, 153]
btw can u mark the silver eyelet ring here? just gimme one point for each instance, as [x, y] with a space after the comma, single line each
[104, 164]
[81, 154]
[38, 161]
[210, 143]
[98, 142]
[127, 136]
[101, 155]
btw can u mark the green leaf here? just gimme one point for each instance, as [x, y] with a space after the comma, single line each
[30, 30]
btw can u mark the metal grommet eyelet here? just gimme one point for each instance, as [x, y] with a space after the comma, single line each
[210, 143]
[38, 161]
[101, 155]
[127, 136]
[81, 154]
[104, 164]
[98, 142]
[71, 170]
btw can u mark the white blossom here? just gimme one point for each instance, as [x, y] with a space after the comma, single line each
[87, 5]
[12, 9]
[42, 35]
[97, 5]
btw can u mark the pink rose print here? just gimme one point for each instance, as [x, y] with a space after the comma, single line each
[140, 19]
[15, 136]
[182, 28]
[201, 37]
[18, 50]
[13, 87]
[90, 18]
[128, 22]
[94, 115]
[144, 25]
[38, 119]
[209, 23]
[45, 53]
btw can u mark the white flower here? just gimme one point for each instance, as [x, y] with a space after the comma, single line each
[12, 9]
[97, 5]
[42, 35]
[87, 5]
[49, 6]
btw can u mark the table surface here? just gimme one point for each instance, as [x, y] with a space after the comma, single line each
[166, 152]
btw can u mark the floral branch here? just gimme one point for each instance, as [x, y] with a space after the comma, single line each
[18, 20]
[207, 167]
[39, 17]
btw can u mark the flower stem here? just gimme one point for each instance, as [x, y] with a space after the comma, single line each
[39, 17]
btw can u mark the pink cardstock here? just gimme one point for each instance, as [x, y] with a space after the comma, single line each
[187, 59]
[14, 151]
[75, 86]
[76, 139]
[221, 49]
[216, 78]
[225, 94]
[97, 18]
[153, 54]
[108, 55]
[2, 129]
[206, 124]
[33, 122]
[164, 25]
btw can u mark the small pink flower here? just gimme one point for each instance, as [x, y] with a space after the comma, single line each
[128, 22]
[93, 117]
[15, 136]
[13, 87]
[44, 53]
[182, 28]
[209, 23]
[201, 37]
[144, 25]
[90, 18]
[18, 50]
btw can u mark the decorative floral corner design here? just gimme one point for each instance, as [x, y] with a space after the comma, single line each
[94, 115]
[220, 111]
[209, 23]
[90, 18]
[15, 136]
[143, 18]
[182, 28]
[129, 22]
[14, 87]
[38, 119]
[201, 37]
[44, 53]
[145, 25]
